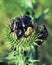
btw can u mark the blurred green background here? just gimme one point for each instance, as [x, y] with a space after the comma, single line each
[13, 8]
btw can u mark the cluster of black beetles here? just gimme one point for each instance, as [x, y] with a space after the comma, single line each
[21, 24]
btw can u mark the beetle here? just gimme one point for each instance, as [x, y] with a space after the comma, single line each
[42, 30]
[22, 25]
